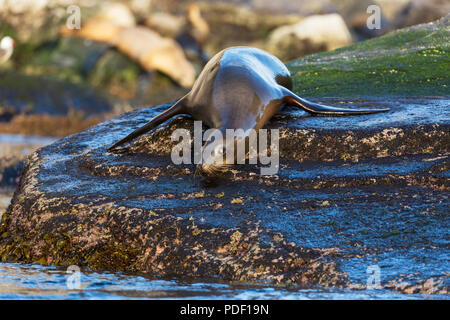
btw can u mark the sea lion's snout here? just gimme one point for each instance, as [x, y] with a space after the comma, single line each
[213, 158]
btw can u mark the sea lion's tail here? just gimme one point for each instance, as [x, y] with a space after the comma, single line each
[176, 109]
[318, 109]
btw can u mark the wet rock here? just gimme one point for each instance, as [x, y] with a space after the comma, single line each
[245, 253]
[313, 34]
[410, 285]
[136, 211]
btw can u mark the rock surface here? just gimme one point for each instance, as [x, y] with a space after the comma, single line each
[371, 190]
[234, 25]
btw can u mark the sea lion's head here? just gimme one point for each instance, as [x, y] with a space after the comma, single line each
[220, 153]
[213, 155]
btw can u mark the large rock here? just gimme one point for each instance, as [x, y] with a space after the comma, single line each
[421, 11]
[313, 34]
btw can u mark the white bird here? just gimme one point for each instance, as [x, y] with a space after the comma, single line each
[6, 48]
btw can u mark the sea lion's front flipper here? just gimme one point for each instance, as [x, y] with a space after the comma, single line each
[176, 109]
[292, 99]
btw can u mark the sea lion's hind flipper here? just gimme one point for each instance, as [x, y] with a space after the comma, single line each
[176, 109]
[292, 99]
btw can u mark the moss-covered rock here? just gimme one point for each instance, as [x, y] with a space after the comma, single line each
[412, 61]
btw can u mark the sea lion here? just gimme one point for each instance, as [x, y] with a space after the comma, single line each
[240, 87]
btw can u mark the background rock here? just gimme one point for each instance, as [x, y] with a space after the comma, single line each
[355, 15]
[138, 212]
[391, 8]
[421, 11]
[117, 13]
[234, 25]
[313, 34]
[412, 61]
[143, 45]
[166, 24]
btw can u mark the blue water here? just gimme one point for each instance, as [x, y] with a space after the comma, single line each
[24, 281]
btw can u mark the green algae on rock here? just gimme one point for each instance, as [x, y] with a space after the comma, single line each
[408, 62]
